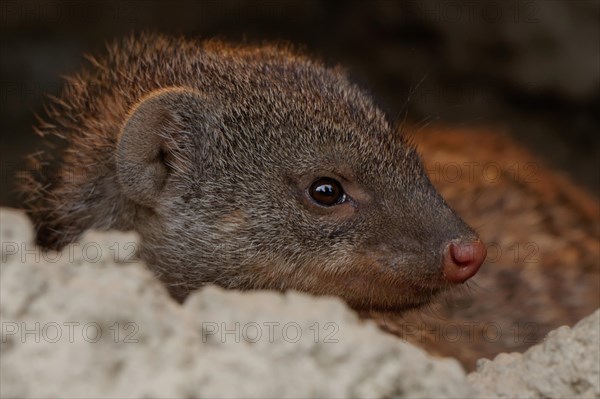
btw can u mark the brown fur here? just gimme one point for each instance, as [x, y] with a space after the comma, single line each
[207, 150]
[542, 232]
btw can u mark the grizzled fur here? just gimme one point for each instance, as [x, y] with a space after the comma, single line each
[206, 150]
[542, 231]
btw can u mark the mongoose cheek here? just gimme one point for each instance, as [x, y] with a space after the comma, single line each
[232, 222]
[364, 282]
[365, 288]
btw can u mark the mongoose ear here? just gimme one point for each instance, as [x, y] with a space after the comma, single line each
[150, 140]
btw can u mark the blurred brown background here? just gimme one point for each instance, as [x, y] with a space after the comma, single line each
[531, 67]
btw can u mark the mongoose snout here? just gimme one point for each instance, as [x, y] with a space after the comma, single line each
[462, 260]
[251, 168]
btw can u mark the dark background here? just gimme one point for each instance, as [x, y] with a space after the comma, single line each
[528, 67]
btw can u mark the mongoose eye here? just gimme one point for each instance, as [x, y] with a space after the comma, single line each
[327, 192]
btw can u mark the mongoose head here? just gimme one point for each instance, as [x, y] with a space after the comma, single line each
[259, 168]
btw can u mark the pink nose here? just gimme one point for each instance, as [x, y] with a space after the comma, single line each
[462, 260]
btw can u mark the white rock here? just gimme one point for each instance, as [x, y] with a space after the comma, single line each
[107, 328]
[566, 364]
[92, 321]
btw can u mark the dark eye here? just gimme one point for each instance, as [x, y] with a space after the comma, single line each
[327, 192]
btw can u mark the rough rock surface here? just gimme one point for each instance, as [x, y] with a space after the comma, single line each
[132, 340]
[566, 364]
[93, 322]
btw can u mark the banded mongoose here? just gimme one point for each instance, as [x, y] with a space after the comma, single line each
[250, 167]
